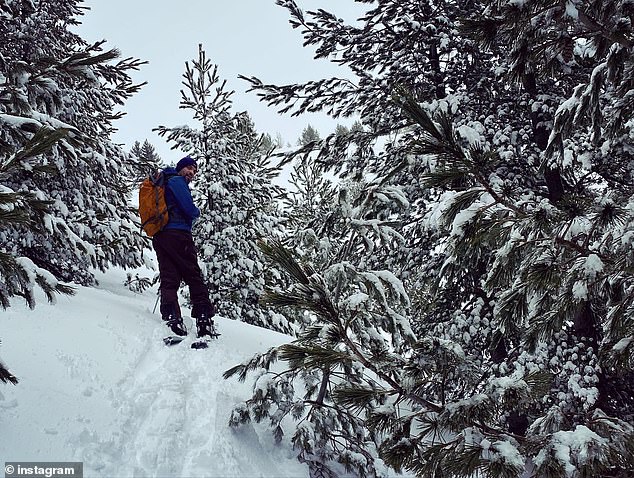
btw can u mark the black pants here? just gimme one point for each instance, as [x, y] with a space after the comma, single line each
[178, 262]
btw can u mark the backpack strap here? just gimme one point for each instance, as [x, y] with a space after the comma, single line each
[163, 179]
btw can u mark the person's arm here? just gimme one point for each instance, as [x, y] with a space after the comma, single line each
[183, 196]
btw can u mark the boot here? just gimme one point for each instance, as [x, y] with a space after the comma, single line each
[173, 320]
[205, 327]
[204, 324]
[176, 325]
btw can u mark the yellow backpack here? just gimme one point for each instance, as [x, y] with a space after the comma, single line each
[152, 205]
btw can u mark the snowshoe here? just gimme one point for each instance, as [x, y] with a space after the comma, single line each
[180, 327]
[205, 331]
[173, 340]
[200, 344]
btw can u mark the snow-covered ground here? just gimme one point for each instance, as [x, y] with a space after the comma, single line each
[97, 385]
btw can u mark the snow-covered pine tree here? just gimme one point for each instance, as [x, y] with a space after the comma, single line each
[309, 135]
[19, 275]
[268, 144]
[59, 98]
[310, 197]
[354, 332]
[234, 191]
[508, 127]
[310, 204]
[145, 161]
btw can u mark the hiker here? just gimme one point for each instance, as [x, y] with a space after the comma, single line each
[177, 256]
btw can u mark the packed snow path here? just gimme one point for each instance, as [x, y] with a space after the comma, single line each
[97, 385]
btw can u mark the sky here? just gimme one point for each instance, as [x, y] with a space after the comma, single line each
[248, 37]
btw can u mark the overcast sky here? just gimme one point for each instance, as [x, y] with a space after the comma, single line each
[249, 37]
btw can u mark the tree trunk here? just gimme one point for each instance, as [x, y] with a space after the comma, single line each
[540, 134]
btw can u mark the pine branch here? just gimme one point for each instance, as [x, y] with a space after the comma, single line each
[277, 253]
[314, 357]
[6, 376]
[259, 361]
[440, 141]
[357, 399]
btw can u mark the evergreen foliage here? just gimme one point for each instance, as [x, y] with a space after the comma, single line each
[234, 192]
[310, 199]
[6, 376]
[507, 126]
[268, 144]
[64, 205]
[26, 209]
[308, 137]
[145, 161]
[353, 335]
[140, 284]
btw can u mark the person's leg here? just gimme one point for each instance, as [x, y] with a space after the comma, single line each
[170, 276]
[202, 308]
[193, 277]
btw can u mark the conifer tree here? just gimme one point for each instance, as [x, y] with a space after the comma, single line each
[279, 141]
[311, 196]
[341, 129]
[507, 126]
[267, 143]
[59, 166]
[234, 191]
[145, 161]
[352, 333]
[309, 136]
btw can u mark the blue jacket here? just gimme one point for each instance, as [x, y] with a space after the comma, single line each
[181, 207]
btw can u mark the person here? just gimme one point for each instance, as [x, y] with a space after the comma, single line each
[177, 256]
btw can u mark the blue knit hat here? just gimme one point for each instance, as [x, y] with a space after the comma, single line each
[183, 163]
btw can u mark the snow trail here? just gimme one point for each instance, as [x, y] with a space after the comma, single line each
[97, 385]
